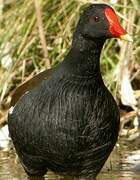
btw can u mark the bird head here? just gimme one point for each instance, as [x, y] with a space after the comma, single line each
[100, 21]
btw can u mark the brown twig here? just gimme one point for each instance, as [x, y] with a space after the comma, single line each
[3, 118]
[128, 117]
[41, 32]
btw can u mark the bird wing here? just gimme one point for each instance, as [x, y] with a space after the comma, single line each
[29, 85]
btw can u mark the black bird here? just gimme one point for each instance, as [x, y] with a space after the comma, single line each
[69, 123]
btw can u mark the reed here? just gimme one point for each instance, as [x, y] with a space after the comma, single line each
[35, 35]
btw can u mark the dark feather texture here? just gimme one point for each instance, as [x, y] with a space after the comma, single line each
[29, 85]
[70, 122]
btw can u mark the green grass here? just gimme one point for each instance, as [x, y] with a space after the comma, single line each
[18, 26]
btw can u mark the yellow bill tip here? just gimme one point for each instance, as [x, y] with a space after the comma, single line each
[126, 37]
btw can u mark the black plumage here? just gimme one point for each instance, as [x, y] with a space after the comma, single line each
[70, 122]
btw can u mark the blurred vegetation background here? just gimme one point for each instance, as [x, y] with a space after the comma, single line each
[36, 35]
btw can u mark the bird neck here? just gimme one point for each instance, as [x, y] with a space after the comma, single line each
[83, 60]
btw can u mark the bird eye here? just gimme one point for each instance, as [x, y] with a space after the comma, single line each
[96, 18]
